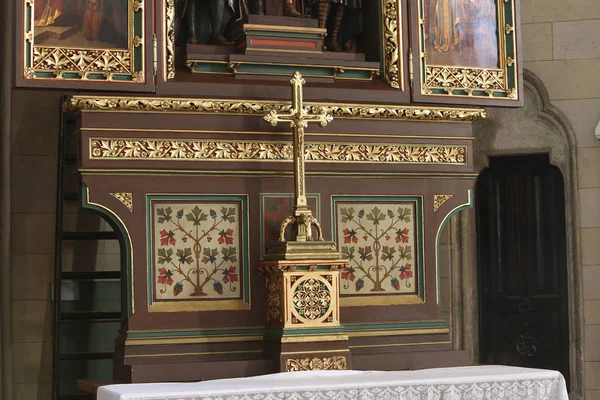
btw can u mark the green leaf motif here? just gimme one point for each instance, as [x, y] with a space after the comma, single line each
[387, 253]
[228, 214]
[164, 256]
[405, 252]
[348, 252]
[347, 214]
[365, 253]
[376, 216]
[164, 215]
[196, 216]
[185, 255]
[210, 255]
[229, 254]
[404, 214]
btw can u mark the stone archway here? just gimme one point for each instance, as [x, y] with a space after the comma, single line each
[538, 127]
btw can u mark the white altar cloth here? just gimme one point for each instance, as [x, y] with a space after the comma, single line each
[492, 382]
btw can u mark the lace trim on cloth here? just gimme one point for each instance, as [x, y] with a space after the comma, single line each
[532, 389]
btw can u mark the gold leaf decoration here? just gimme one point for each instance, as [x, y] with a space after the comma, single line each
[137, 5]
[170, 37]
[124, 197]
[259, 108]
[391, 43]
[442, 77]
[210, 150]
[81, 61]
[315, 363]
[439, 200]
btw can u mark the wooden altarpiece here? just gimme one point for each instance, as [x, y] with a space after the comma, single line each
[180, 160]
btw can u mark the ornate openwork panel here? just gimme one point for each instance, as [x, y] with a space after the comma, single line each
[315, 363]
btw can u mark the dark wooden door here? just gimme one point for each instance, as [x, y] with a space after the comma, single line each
[522, 264]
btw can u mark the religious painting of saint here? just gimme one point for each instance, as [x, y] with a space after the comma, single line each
[90, 24]
[461, 33]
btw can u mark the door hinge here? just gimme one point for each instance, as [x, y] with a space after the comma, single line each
[410, 67]
[154, 54]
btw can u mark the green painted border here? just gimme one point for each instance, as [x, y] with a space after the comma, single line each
[218, 67]
[124, 241]
[243, 199]
[196, 333]
[262, 331]
[419, 242]
[263, 196]
[465, 206]
[404, 325]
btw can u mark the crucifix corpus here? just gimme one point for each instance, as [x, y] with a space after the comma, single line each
[299, 117]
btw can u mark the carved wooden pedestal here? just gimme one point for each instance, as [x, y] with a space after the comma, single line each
[303, 329]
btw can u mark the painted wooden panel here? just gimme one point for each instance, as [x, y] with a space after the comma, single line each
[382, 240]
[197, 249]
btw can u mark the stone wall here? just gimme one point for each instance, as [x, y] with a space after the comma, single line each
[561, 46]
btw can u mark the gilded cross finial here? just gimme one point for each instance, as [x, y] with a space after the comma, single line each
[299, 117]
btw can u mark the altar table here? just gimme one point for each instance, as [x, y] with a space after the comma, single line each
[469, 383]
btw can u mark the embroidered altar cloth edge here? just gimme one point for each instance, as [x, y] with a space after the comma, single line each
[468, 383]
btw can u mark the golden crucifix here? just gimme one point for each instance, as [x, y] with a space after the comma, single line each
[299, 118]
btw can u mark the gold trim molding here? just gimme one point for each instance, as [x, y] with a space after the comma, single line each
[439, 200]
[260, 107]
[169, 51]
[467, 79]
[211, 150]
[126, 198]
[315, 363]
[392, 44]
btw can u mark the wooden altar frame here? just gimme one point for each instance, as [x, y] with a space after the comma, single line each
[123, 69]
[392, 43]
[443, 83]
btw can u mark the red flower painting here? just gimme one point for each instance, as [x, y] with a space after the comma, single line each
[350, 236]
[229, 275]
[165, 276]
[167, 238]
[402, 235]
[226, 236]
[348, 273]
[406, 271]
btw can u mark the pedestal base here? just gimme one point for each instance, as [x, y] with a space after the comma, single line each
[306, 352]
[303, 329]
[270, 47]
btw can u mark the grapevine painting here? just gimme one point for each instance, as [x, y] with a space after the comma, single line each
[196, 251]
[380, 241]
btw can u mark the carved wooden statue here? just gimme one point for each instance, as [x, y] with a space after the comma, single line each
[338, 7]
[289, 9]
